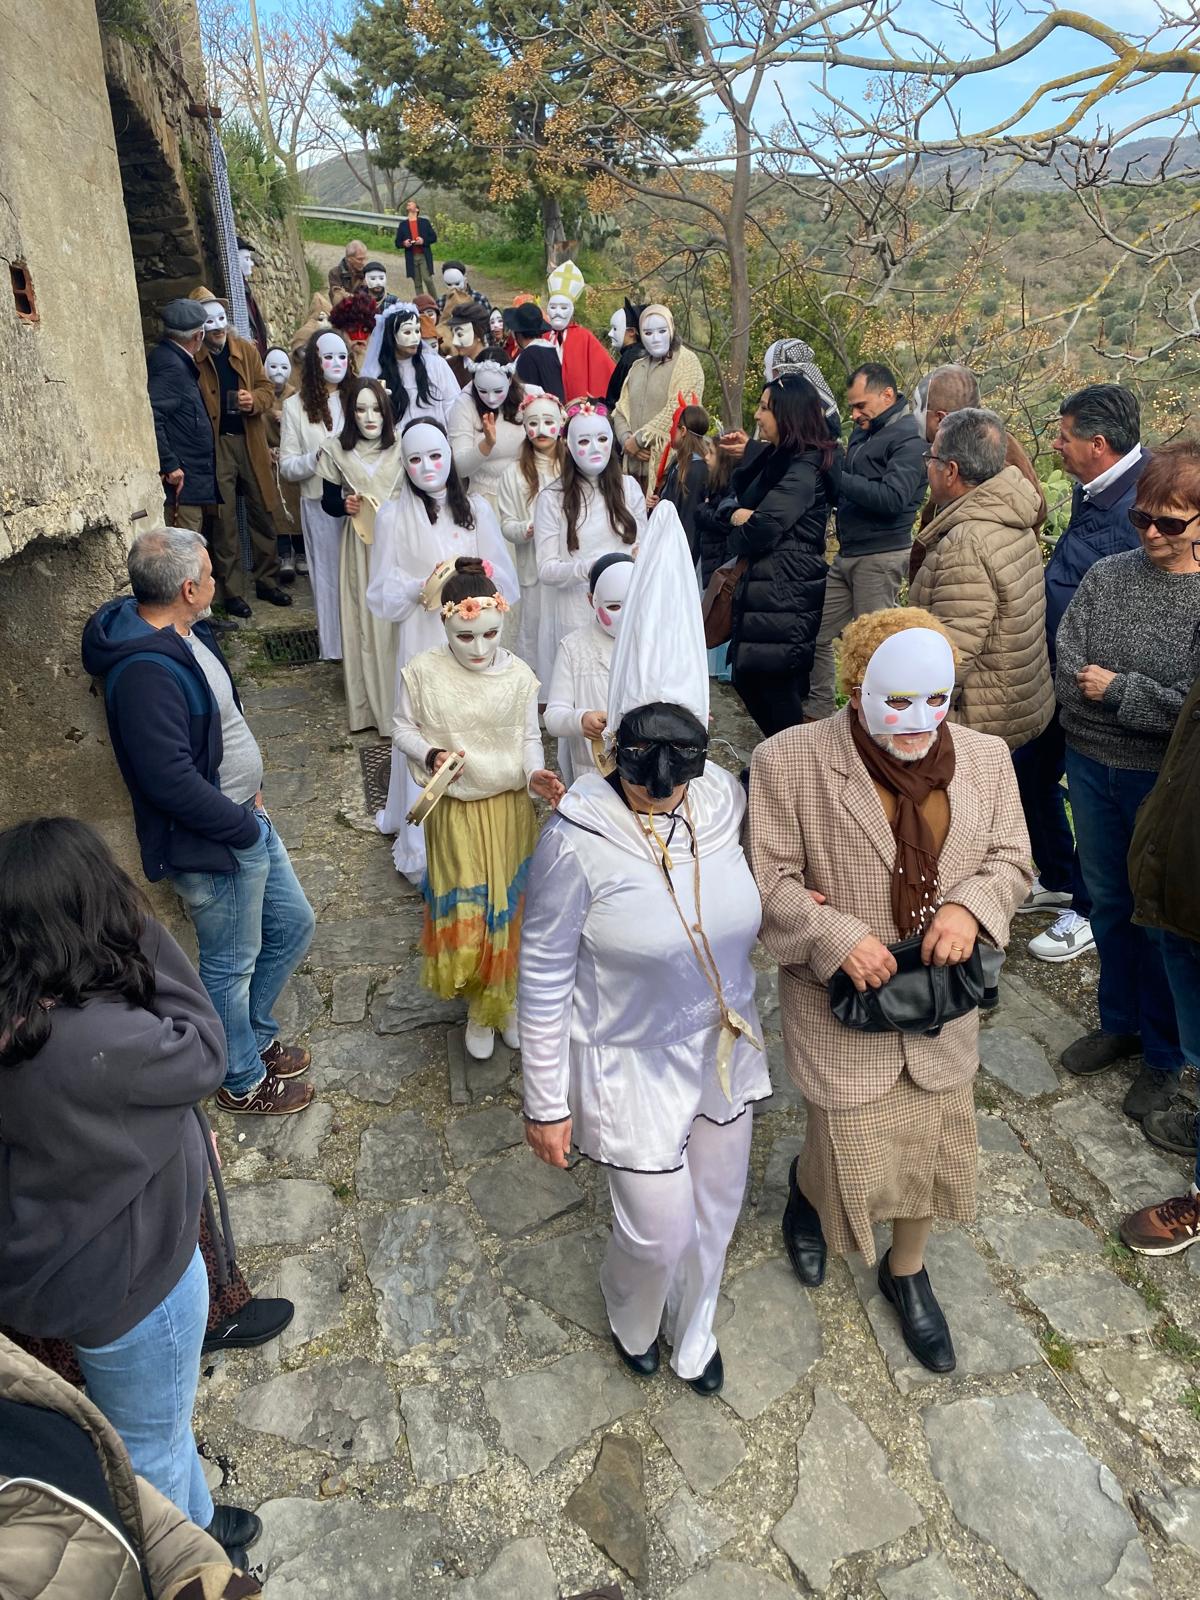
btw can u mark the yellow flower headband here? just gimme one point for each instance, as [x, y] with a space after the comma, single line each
[474, 605]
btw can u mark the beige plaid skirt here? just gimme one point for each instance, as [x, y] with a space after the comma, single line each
[911, 1153]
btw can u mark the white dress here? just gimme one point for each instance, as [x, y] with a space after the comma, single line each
[514, 507]
[465, 427]
[579, 683]
[563, 573]
[407, 548]
[443, 389]
[300, 442]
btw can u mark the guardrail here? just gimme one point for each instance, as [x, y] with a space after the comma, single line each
[374, 219]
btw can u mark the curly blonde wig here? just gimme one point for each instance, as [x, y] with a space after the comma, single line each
[865, 634]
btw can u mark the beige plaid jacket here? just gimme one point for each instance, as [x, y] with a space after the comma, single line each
[815, 822]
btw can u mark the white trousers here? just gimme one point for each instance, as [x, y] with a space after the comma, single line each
[322, 547]
[669, 1237]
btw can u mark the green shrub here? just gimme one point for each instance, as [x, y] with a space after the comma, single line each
[259, 184]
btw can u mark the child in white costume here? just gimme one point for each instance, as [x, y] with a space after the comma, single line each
[578, 693]
[539, 463]
[485, 433]
[471, 696]
[591, 509]
[431, 522]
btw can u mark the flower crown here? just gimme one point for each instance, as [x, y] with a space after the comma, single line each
[474, 606]
[586, 408]
[403, 311]
[476, 367]
[532, 393]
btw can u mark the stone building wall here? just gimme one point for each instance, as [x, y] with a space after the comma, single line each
[280, 281]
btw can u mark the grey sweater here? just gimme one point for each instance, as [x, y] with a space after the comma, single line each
[1144, 625]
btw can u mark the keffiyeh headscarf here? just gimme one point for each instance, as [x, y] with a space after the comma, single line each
[793, 355]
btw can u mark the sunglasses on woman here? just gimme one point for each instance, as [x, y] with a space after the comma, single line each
[1168, 527]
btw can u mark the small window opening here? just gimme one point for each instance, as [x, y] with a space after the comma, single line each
[22, 288]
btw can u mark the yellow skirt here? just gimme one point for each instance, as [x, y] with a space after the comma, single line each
[477, 860]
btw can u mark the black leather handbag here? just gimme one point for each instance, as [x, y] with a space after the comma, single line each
[917, 999]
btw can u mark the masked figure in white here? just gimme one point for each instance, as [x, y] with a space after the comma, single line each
[485, 435]
[592, 508]
[375, 282]
[469, 696]
[430, 523]
[416, 377]
[640, 1044]
[586, 364]
[363, 469]
[278, 367]
[539, 462]
[655, 388]
[889, 847]
[311, 417]
[577, 698]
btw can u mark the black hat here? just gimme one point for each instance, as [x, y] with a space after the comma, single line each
[461, 265]
[183, 316]
[526, 319]
[374, 266]
[244, 244]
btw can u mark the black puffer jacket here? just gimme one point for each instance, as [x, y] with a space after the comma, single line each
[687, 497]
[181, 423]
[777, 607]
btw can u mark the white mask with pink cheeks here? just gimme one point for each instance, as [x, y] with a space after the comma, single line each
[608, 597]
[334, 357]
[590, 441]
[278, 367]
[908, 684]
[496, 325]
[492, 383]
[474, 641]
[427, 457]
[542, 419]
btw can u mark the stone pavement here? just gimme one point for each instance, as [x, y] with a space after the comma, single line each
[445, 1417]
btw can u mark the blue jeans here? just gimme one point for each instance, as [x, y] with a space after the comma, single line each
[1181, 957]
[1135, 996]
[145, 1384]
[253, 927]
[1039, 765]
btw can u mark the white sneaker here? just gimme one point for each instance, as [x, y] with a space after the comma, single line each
[481, 1042]
[1064, 939]
[510, 1033]
[1041, 899]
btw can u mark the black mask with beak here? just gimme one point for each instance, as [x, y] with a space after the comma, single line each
[659, 747]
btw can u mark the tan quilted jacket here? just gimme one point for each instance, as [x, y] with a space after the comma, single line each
[983, 579]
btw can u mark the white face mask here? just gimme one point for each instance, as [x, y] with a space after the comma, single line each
[608, 597]
[492, 384]
[215, 319]
[908, 683]
[616, 329]
[453, 278]
[590, 441]
[427, 457]
[246, 262]
[462, 337]
[473, 643]
[368, 415]
[496, 324]
[560, 308]
[376, 282]
[334, 357]
[543, 420]
[408, 334]
[278, 367]
[656, 336]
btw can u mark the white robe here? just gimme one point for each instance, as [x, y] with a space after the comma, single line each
[579, 683]
[300, 443]
[407, 548]
[465, 427]
[563, 573]
[443, 390]
[514, 507]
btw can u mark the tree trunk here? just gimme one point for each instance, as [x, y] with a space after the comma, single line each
[553, 231]
[733, 372]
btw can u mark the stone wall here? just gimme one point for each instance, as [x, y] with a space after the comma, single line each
[280, 281]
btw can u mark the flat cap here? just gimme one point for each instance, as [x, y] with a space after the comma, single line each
[182, 316]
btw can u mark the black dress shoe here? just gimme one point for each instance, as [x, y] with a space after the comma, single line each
[233, 1527]
[237, 607]
[921, 1319]
[645, 1365]
[256, 1323]
[802, 1236]
[1098, 1050]
[273, 594]
[712, 1378]
[222, 624]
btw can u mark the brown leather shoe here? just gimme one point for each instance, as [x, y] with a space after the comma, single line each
[1165, 1229]
[286, 1060]
[273, 1097]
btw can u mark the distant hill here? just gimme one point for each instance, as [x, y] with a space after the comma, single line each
[332, 183]
[1140, 159]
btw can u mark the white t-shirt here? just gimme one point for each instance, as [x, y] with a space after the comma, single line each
[241, 771]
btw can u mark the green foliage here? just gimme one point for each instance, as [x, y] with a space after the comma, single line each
[317, 280]
[1190, 1398]
[259, 184]
[1060, 1353]
[1057, 487]
[1178, 1342]
[128, 19]
[323, 231]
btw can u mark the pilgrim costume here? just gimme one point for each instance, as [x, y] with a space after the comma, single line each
[637, 1011]
[564, 559]
[586, 364]
[655, 388]
[301, 439]
[416, 377]
[407, 548]
[491, 381]
[579, 682]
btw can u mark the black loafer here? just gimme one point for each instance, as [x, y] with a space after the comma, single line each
[272, 594]
[233, 1527]
[922, 1321]
[802, 1236]
[645, 1365]
[222, 624]
[1098, 1050]
[256, 1323]
[711, 1379]
[237, 607]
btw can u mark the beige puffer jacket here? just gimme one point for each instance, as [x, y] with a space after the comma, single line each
[53, 1547]
[982, 578]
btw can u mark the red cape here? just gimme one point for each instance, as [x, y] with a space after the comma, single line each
[587, 365]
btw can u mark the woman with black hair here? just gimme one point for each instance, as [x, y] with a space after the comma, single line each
[593, 508]
[785, 487]
[418, 380]
[108, 1042]
[485, 433]
[418, 536]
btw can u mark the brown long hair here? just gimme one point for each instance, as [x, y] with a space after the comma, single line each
[691, 445]
[456, 496]
[314, 395]
[348, 437]
[527, 460]
[612, 488]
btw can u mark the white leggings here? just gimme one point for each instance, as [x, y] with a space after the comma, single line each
[669, 1237]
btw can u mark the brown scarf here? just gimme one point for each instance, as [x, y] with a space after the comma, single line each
[915, 869]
